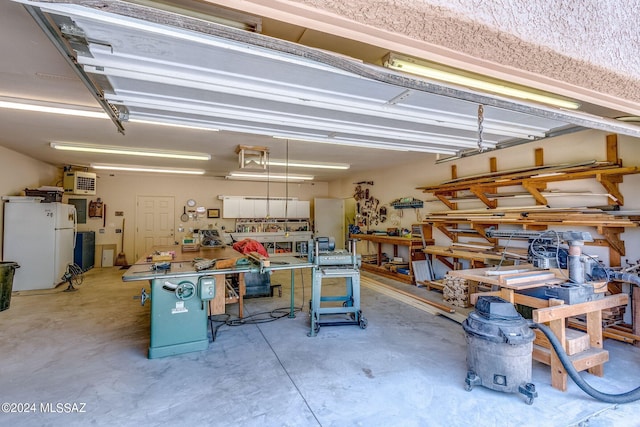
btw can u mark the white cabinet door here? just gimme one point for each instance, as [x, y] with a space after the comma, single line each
[298, 209]
[247, 209]
[264, 208]
[231, 208]
[277, 208]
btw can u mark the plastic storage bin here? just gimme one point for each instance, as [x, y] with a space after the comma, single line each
[7, 270]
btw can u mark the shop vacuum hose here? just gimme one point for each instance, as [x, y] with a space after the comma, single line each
[630, 396]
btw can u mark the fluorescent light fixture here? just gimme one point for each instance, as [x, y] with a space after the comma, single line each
[170, 124]
[424, 69]
[266, 177]
[302, 164]
[371, 144]
[148, 169]
[51, 108]
[143, 152]
[215, 14]
[78, 111]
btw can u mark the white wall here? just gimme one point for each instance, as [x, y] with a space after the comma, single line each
[119, 191]
[402, 180]
[18, 172]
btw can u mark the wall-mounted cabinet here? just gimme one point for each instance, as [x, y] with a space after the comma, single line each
[255, 207]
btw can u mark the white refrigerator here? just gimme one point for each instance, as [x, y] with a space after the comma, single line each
[40, 237]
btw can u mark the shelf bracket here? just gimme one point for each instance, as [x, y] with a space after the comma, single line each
[612, 235]
[480, 228]
[443, 197]
[610, 183]
[480, 193]
[443, 230]
[534, 189]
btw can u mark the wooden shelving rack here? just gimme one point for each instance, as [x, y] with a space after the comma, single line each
[457, 224]
[534, 180]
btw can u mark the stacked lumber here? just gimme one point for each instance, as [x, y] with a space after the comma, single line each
[456, 291]
[370, 259]
[537, 215]
[544, 174]
[613, 316]
[610, 316]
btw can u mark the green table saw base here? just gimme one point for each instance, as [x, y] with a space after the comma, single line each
[172, 350]
[177, 325]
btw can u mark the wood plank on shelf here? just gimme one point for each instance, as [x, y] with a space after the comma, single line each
[523, 170]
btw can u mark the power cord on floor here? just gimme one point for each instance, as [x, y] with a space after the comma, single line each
[213, 319]
[217, 321]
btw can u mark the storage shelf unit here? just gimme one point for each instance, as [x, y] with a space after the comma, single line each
[279, 243]
[279, 236]
[534, 179]
[415, 253]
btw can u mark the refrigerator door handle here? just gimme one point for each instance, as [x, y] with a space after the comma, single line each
[75, 226]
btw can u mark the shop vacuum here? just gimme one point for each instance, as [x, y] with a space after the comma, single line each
[499, 352]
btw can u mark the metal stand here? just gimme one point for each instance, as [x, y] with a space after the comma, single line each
[334, 265]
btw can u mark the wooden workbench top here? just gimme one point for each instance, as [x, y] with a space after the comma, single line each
[517, 277]
[223, 252]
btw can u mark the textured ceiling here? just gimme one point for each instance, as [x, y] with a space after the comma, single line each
[591, 44]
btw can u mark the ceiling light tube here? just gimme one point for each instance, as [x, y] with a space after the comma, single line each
[302, 164]
[266, 176]
[143, 152]
[51, 108]
[147, 169]
[420, 68]
[171, 124]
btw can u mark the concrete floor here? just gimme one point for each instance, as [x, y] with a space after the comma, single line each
[87, 349]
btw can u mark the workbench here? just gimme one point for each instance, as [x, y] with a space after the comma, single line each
[174, 321]
[415, 254]
[553, 312]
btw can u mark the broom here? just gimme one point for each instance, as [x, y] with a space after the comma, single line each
[121, 259]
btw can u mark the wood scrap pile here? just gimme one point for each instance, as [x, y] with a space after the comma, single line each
[613, 316]
[456, 291]
[370, 259]
[610, 316]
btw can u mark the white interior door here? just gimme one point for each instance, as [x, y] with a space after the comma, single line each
[155, 222]
[328, 216]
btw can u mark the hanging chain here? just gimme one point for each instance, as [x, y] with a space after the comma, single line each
[481, 146]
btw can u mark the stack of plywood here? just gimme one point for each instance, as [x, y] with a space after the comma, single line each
[456, 291]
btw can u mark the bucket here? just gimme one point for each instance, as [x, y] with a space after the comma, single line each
[7, 269]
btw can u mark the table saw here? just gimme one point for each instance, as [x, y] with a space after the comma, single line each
[183, 296]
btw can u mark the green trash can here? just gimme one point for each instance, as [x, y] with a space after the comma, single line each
[7, 269]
